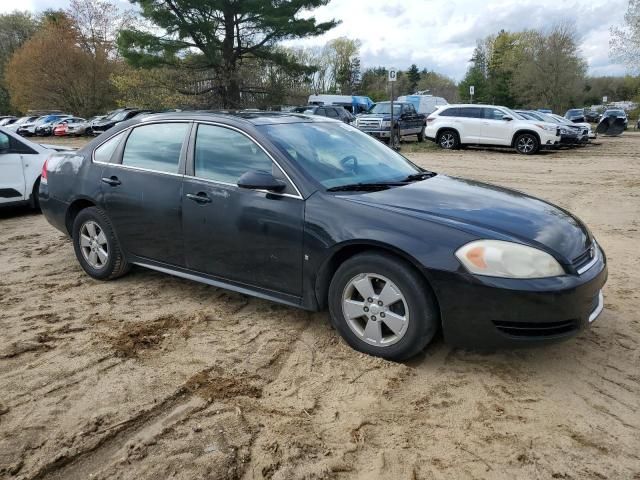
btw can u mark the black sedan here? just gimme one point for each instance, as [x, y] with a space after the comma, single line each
[311, 212]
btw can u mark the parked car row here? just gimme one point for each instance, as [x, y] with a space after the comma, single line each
[526, 131]
[62, 124]
[580, 115]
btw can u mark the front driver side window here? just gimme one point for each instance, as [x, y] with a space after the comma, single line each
[224, 155]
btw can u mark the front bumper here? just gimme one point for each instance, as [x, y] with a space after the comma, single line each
[377, 133]
[489, 313]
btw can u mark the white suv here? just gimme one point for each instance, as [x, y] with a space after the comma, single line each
[452, 126]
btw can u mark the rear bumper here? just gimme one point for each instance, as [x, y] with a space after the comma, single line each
[55, 211]
[491, 313]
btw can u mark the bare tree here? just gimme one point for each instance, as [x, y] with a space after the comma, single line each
[625, 40]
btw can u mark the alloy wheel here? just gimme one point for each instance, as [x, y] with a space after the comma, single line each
[447, 140]
[375, 309]
[93, 244]
[526, 145]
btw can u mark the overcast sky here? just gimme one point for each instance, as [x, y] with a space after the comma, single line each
[441, 34]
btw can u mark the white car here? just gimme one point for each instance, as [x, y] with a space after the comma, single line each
[586, 126]
[20, 168]
[453, 126]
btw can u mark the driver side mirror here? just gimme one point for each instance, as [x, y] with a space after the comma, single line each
[260, 180]
[507, 118]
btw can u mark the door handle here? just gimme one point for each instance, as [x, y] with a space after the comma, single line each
[113, 181]
[199, 197]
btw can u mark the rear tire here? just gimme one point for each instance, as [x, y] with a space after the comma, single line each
[527, 144]
[96, 246]
[449, 140]
[401, 318]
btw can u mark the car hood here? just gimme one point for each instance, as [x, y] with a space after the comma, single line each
[487, 211]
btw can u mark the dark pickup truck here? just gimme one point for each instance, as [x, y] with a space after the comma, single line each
[406, 121]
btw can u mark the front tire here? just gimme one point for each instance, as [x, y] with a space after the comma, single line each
[527, 144]
[421, 134]
[449, 140]
[381, 306]
[96, 246]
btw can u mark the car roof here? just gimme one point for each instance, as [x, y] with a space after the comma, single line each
[253, 118]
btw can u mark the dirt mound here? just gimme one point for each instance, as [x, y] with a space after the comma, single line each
[214, 386]
[133, 340]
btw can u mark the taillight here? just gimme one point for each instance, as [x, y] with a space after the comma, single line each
[43, 176]
[431, 119]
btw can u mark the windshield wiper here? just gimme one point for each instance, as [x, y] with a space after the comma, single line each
[365, 187]
[414, 177]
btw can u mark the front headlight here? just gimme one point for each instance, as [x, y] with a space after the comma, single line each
[496, 258]
[563, 131]
[386, 124]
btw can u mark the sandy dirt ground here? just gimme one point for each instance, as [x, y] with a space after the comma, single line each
[151, 376]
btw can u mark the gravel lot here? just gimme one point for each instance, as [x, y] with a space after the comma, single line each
[156, 377]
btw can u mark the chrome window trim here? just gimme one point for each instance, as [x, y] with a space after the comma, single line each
[593, 261]
[217, 124]
[227, 184]
[93, 160]
[204, 122]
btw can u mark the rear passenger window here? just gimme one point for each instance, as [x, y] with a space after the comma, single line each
[155, 147]
[105, 151]
[450, 112]
[331, 112]
[471, 112]
[224, 155]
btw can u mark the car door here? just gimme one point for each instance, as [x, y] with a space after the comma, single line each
[142, 191]
[495, 130]
[246, 236]
[413, 121]
[471, 120]
[12, 182]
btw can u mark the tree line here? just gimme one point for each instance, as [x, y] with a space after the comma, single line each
[94, 56]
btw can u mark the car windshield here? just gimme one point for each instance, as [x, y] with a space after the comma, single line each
[618, 113]
[335, 154]
[385, 108]
[119, 116]
[575, 112]
[515, 115]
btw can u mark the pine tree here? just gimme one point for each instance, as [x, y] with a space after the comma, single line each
[223, 33]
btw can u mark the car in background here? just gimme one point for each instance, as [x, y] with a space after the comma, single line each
[4, 121]
[575, 115]
[617, 113]
[45, 128]
[20, 122]
[380, 123]
[312, 213]
[592, 116]
[114, 118]
[454, 126]
[70, 126]
[569, 136]
[21, 164]
[584, 128]
[330, 111]
[544, 110]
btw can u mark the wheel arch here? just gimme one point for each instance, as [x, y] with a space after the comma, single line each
[347, 250]
[443, 129]
[525, 130]
[74, 208]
